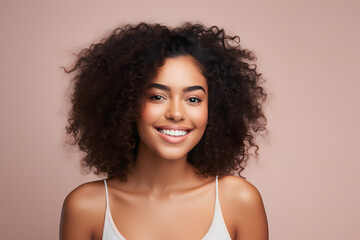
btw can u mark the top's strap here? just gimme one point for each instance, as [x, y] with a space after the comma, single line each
[106, 194]
[217, 191]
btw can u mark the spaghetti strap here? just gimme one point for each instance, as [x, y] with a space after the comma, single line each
[106, 194]
[216, 191]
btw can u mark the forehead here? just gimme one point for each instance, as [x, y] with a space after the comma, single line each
[180, 72]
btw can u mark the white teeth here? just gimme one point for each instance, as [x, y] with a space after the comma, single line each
[174, 133]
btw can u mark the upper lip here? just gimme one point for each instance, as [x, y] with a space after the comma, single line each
[173, 127]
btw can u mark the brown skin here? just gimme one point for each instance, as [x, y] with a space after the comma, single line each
[164, 198]
[143, 215]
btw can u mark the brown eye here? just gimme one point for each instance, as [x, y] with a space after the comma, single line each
[194, 100]
[157, 98]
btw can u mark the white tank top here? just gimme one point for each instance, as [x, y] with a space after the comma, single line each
[217, 230]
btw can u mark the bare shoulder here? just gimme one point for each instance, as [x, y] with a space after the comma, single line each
[83, 211]
[86, 196]
[243, 207]
[239, 191]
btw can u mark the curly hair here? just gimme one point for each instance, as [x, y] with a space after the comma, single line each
[111, 78]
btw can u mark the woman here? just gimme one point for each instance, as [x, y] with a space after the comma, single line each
[168, 115]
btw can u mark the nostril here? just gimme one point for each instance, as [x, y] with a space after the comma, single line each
[175, 116]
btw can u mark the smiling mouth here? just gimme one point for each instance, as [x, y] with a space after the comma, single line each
[172, 132]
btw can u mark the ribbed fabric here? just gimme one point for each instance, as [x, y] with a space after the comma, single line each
[217, 230]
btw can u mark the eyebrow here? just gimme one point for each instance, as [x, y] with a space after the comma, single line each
[166, 88]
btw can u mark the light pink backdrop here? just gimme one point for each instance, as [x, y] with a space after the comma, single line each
[308, 171]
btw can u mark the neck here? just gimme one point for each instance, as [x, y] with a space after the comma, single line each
[156, 175]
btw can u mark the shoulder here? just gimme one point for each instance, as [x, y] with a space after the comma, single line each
[243, 208]
[86, 196]
[83, 210]
[240, 191]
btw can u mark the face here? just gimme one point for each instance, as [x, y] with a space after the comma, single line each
[174, 116]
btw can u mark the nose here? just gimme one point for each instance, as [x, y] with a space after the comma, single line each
[175, 111]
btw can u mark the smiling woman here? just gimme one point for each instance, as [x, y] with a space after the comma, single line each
[168, 115]
[174, 117]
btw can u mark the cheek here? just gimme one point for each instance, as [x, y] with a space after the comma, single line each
[200, 117]
[149, 113]
[146, 118]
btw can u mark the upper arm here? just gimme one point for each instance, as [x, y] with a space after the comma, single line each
[253, 225]
[78, 214]
[249, 212]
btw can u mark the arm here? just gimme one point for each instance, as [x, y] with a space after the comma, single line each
[78, 214]
[251, 221]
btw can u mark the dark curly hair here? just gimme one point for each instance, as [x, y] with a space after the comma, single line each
[111, 78]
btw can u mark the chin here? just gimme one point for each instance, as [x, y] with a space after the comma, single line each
[172, 155]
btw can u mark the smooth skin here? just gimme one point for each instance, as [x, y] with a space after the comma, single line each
[164, 198]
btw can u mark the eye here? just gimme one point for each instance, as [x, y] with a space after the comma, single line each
[157, 98]
[194, 100]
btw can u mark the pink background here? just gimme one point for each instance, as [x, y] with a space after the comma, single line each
[308, 171]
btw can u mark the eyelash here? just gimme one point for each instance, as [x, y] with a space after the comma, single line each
[154, 98]
[190, 100]
[197, 100]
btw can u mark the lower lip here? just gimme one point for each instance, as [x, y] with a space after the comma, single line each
[172, 139]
